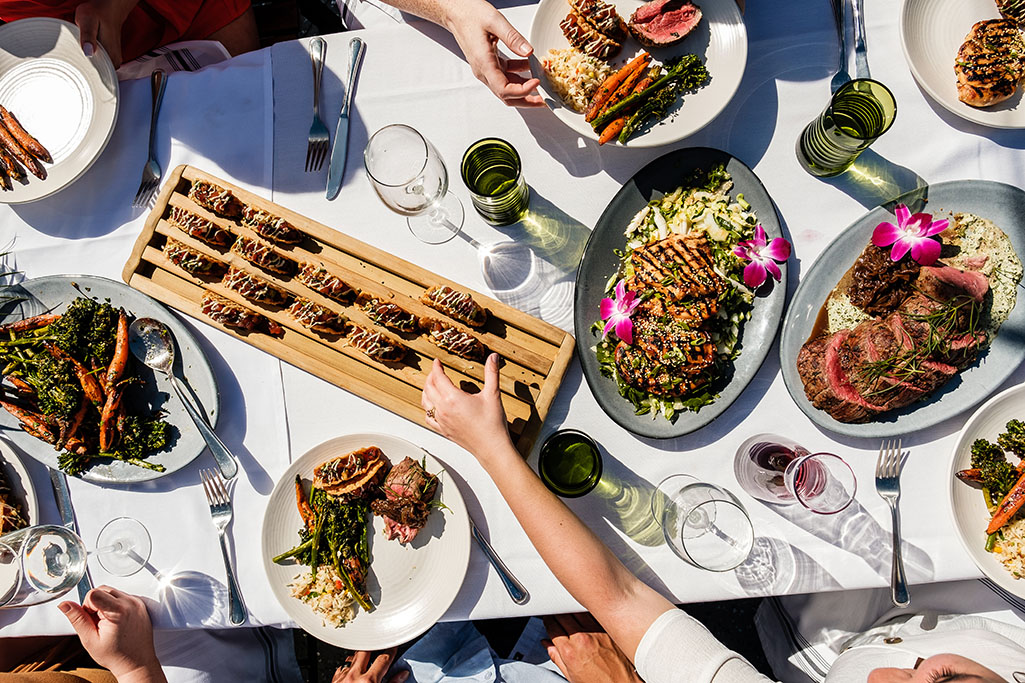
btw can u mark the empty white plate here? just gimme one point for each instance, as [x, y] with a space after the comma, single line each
[64, 99]
[720, 40]
[931, 32]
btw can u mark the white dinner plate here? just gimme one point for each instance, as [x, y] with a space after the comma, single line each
[411, 586]
[720, 40]
[931, 32]
[20, 481]
[966, 502]
[61, 97]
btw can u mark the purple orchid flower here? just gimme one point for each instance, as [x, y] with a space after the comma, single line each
[616, 313]
[912, 233]
[763, 255]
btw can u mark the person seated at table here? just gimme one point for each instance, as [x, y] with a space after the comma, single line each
[128, 29]
[663, 642]
[478, 28]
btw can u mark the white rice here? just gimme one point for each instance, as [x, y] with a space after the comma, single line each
[1010, 547]
[325, 594]
[575, 76]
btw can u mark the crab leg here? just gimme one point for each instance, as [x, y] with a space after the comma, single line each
[90, 385]
[117, 364]
[33, 323]
[32, 423]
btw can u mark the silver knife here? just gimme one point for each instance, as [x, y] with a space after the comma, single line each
[516, 590]
[336, 170]
[860, 49]
[63, 496]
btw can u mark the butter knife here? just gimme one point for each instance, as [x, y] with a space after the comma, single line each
[336, 170]
[516, 590]
[63, 496]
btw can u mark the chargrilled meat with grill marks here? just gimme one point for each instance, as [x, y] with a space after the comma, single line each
[691, 313]
[202, 229]
[682, 350]
[254, 287]
[678, 267]
[639, 371]
[990, 63]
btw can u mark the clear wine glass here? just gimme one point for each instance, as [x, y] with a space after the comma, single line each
[703, 524]
[39, 564]
[410, 178]
[123, 546]
[779, 470]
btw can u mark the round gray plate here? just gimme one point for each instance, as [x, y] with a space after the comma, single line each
[599, 262]
[56, 292]
[1000, 203]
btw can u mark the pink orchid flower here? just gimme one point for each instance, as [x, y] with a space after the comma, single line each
[912, 233]
[763, 255]
[616, 312]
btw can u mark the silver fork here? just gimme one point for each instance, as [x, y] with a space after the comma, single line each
[888, 488]
[151, 171]
[220, 511]
[316, 147]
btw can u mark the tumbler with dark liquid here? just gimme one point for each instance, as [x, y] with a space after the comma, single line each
[860, 111]
[779, 470]
[492, 172]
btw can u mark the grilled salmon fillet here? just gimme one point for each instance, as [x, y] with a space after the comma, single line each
[990, 63]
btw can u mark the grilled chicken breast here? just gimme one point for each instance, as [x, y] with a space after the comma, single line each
[990, 63]
[678, 267]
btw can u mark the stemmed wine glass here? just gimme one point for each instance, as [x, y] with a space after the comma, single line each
[123, 546]
[39, 564]
[410, 178]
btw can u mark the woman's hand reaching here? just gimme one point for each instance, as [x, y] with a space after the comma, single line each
[474, 421]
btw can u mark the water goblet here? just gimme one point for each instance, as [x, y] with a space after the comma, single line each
[411, 179]
[779, 470]
[702, 523]
[39, 564]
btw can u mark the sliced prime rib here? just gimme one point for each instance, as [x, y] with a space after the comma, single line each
[406, 505]
[663, 22]
[947, 282]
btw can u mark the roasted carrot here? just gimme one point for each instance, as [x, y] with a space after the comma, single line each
[632, 85]
[613, 82]
[1011, 503]
[90, 385]
[33, 423]
[117, 364]
[108, 420]
[305, 511]
[625, 89]
[31, 145]
[612, 130]
[29, 324]
[15, 149]
[69, 428]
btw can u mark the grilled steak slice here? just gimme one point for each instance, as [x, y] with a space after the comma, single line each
[583, 37]
[316, 317]
[602, 17]
[230, 314]
[664, 22]
[215, 198]
[947, 282]
[408, 492]
[255, 288]
[192, 261]
[323, 282]
[263, 255]
[352, 475]
[455, 304]
[200, 228]
[678, 267]
[377, 345]
[826, 384]
[387, 313]
[270, 227]
[989, 65]
[453, 339]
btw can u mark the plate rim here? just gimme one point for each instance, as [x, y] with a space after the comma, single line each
[1002, 578]
[10, 458]
[213, 411]
[285, 480]
[875, 429]
[107, 67]
[582, 330]
[640, 142]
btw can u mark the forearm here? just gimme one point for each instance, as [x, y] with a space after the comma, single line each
[150, 674]
[584, 565]
[437, 11]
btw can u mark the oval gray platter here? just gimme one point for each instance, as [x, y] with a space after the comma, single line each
[1000, 203]
[55, 293]
[599, 262]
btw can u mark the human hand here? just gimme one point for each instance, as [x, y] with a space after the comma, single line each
[584, 652]
[474, 421]
[115, 630]
[99, 22]
[356, 670]
[478, 28]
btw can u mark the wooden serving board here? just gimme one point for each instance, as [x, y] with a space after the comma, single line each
[535, 354]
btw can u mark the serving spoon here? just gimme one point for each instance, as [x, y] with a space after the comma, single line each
[152, 343]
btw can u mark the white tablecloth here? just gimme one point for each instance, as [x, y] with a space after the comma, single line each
[226, 120]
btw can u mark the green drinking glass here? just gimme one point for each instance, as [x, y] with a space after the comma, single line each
[569, 463]
[860, 111]
[491, 171]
